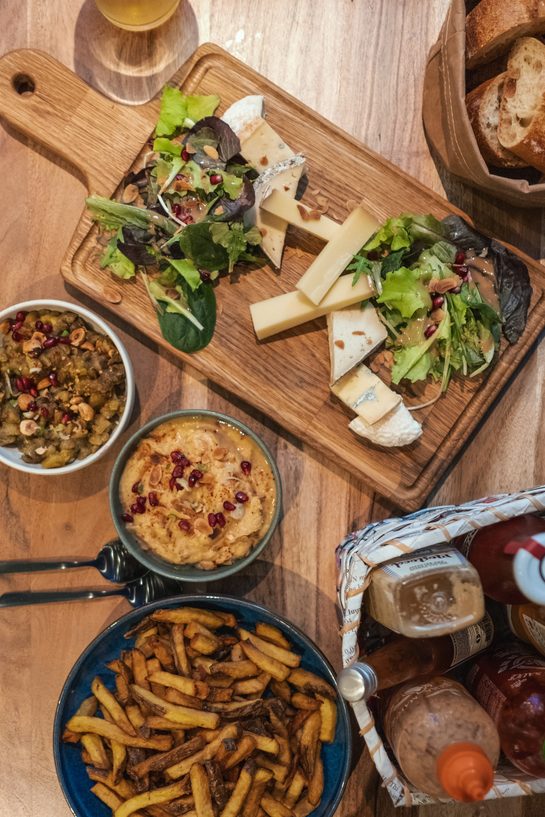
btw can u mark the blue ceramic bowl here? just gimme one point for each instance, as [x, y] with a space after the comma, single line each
[109, 644]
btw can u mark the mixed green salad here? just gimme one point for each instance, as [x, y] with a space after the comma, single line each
[178, 223]
[437, 317]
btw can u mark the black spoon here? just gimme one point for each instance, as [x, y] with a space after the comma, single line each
[114, 562]
[141, 591]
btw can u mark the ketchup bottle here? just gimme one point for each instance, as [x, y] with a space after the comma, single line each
[509, 558]
[509, 683]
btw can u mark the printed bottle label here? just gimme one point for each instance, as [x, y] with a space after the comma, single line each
[426, 563]
[535, 631]
[487, 693]
[464, 546]
[472, 640]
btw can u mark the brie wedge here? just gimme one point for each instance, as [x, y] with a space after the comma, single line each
[353, 334]
[395, 429]
[363, 392]
[244, 111]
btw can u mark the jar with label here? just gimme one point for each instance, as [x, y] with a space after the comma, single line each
[444, 742]
[403, 659]
[428, 593]
[527, 622]
[516, 549]
[509, 683]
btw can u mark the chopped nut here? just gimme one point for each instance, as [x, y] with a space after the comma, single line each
[206, 479]
[88, 345]
[44, 383]
[358, 332]
[112, 295]
[211, 152]
[219, 453]
[339, 344]
[86, 412]
[5, 327]
[264, 161]
[286, 187]
[308, 215]
[442, 285]
[189, 148]
[201, 526]
[155, 475]
[130, 193]
[24, 401]
[28, 428]
[323, 203]
[77, 336]
[35, 342]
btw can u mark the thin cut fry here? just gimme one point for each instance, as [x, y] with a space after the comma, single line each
[107, 796]
[119, 759]
[328, 714]
[235, 669]
[253, 686]
[185, 615]
[105, 697]
[207, 753]
[178, 648]
[98, 726]
[279, 772]
[140, 669]
[124, 789]
[204, 644]
[253, 800]
[96, 750]
[264, 743]
[160, 762]
[189, 718]
[295, 789]
[240, 792]
[301, 701]
[290, 659]
[316, 782]
[134, 714]
[201, 791]
[274, 808]
[265, 662]
[309, 743]
[270, 633]
[150, 798]
[168, 679]
[245, 747]
[309, 682]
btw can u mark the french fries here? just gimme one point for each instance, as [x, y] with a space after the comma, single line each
[204, 718]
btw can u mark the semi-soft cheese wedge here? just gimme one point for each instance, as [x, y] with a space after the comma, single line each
[261, 146]
[292, 308]
[278, 203]
[285, 175]
[353, 334]
[396, 428]
[337, 254]
[366, 394]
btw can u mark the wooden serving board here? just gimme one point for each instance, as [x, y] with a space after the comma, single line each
[287, 376]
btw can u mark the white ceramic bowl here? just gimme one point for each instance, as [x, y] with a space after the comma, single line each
[10, 455]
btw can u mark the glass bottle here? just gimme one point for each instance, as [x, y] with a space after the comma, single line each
[527, 622]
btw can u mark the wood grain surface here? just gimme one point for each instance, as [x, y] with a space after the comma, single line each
[360, 64]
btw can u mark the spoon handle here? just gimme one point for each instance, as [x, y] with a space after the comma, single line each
[37, 565]
[47, 596]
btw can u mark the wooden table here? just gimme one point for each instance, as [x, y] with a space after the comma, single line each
[359, 63]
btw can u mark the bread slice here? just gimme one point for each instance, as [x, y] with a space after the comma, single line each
[483, 108]
[493, 25]
[521, 127]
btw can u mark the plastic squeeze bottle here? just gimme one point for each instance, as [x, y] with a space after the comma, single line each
[403, 659]
[509, 558]
[432, 592]
[527, 622]
[509, 683]
[444, 742]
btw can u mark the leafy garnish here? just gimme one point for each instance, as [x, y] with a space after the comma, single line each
[188, 271]
[183, 334]
[179, 111]
[114, 214]
[119, 264]
[403, 290]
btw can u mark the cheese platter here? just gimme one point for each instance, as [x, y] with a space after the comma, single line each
[270, 346]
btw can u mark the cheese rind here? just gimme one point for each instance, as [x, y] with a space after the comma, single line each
[292, 308]
[337, 254]
[363, 392]
[353, 334]
[397, 428]
[278, 203]
[245, 110]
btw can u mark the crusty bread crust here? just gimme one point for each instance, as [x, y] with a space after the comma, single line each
[493, 25]
[478, 104]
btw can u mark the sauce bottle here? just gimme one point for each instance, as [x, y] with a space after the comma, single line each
[527, 622]
[509, 683]
[403, 659]
[444, 742]
[429, 593]
[516, 549]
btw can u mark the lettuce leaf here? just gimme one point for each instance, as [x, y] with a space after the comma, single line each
[188, 271]
[162, 145]
[177, 108]
[119, 264]
[403, 290]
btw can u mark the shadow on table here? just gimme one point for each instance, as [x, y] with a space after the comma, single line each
[131, 66]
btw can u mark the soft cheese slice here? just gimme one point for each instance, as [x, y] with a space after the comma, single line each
[276, 202]
[363, 392]
[245, 110]
[284, 176]
[353, 334]
[395, 429]
[337, 254]
[292, 308]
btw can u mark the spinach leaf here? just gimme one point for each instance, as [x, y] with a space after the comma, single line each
[180, 332]
[197, 243]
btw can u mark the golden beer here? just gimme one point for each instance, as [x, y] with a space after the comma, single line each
[137, 15]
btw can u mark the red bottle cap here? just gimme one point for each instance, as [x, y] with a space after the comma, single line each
[465, 772]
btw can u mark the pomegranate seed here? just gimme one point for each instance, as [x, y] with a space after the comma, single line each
[65, 341]
[179, 459]
[178, 471]
[65, 419]
[437, 301]
[16, 336]
[228, 506]
[246, 467]
[153, 499]
[39, 326]
[220, 519]
[216, 178]
[177, 209]
[127, 517]
[28, 383]
[141, 501]
[33, 392]
[191, 481]
[49, 343]
[134, 508]
[241, 497]
[20, 316]
[212, 520]
[461, 270]
[184, 524]
[32, 406]
[185, 155]
[19, 384]
[52, 377]
[172, 484]
[17, 325]
[47, 328]
[197, 474]
[430, 330]
[205, 275]
[460, 257]
[136, 488]
[44, 411]
[35, 352]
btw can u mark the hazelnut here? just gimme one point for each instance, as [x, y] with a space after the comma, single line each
[77, 336]
[44, 383]
[24, 401]
[28, 428]
[88, 345]
[86, 412]
[219, 453]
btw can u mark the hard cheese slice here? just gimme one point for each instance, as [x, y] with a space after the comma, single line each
[278, 203]
[292, 309]
[396, 428]
[261, 146]
[337, 254]
[353, 334]
[366, 394]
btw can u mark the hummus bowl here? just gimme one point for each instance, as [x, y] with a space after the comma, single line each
[195, 495]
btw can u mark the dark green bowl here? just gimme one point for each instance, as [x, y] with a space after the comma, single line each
[187, 573]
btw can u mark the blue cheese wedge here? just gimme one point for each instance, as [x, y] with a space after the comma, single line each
[363, 392]
[337, 254]
[276, 202]
[353, 334]
[395, 429]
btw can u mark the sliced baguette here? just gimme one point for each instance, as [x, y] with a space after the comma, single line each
[521, 127]
[483, 108]
[493, 25]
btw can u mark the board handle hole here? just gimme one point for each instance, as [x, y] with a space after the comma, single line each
[23, 84]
